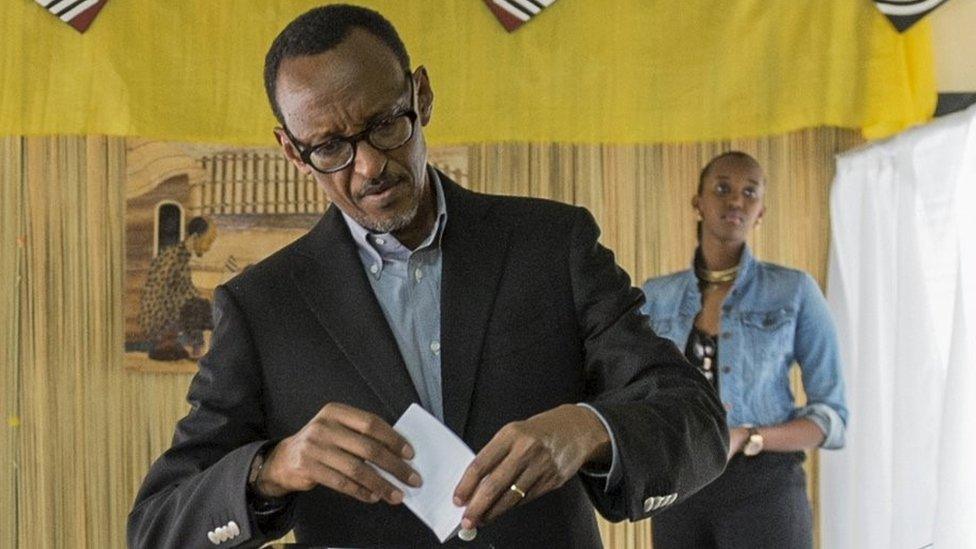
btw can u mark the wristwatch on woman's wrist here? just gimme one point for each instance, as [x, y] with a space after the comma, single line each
[754, 443]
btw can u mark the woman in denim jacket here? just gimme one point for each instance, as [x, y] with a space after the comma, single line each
[743, 323]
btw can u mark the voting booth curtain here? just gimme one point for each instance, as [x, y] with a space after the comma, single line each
[903, 289]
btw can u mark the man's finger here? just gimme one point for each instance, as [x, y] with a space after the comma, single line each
[493, 487]
[364, 475]
[371, 450]
[526, 482]
[370, 425]
[486, 461]
[331, 478]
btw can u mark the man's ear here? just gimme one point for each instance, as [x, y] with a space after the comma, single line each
[290, 152]
[425, 95]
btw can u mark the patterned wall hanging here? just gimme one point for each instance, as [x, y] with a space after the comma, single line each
[196, 215]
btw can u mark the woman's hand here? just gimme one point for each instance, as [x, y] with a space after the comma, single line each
[737, 439]
[796, 435]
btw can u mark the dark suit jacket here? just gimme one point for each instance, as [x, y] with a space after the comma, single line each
[535, 313]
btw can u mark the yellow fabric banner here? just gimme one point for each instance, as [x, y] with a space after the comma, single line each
[582, 71]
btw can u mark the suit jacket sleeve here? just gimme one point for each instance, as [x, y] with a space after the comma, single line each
[199, 483]
[668, 422]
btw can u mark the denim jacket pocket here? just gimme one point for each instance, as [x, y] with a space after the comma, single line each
[770, 333]
[768, 340]
[769, 320]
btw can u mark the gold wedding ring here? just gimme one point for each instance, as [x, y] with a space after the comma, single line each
[517, 490]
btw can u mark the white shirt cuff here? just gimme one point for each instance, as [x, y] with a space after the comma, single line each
[613, 475]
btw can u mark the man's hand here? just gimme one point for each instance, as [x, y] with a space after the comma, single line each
[332, 449]
[537, 455]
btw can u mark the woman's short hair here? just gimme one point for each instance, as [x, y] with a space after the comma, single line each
[738, 155]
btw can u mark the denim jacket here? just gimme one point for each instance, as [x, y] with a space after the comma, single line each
[773, 316]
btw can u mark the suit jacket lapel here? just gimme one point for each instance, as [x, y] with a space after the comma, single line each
[474, 252]
[334, 285]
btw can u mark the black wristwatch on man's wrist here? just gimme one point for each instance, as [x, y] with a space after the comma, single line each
[261, 505]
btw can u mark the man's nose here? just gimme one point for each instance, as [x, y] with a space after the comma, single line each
[370, 161]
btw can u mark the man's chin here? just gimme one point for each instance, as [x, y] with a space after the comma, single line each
[387, 224]
[390, 220]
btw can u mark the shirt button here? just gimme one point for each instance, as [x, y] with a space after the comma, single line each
[380, 240]
[726, 369]
[726, 335]
[418, 274]
[435, 347]
[374, 268]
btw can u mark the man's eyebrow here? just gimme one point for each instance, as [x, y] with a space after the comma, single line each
[320, 138]
[385, 113]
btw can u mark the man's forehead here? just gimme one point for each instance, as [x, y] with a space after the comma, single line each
[360, 76]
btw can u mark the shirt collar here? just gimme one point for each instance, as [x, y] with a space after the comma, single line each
[382, 246]
[747, 265]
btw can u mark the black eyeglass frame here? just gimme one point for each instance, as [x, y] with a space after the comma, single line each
[305, 151]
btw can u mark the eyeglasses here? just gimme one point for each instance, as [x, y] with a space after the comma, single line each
[337, 153]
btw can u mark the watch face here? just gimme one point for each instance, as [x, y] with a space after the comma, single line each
[754, 445]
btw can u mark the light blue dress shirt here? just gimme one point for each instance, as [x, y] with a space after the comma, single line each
[407, 284]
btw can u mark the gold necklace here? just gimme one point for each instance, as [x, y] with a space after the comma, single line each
[716, 277]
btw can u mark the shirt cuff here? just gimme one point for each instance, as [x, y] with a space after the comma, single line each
[613, 475]
[268, 513]
[828, 421]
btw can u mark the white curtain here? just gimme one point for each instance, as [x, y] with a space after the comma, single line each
[902, 287]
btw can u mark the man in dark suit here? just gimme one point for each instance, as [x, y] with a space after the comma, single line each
[501, 316]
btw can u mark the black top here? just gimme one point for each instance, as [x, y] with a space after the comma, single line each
[702, 351]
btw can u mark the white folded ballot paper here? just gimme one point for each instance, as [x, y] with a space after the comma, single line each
[440, 457]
